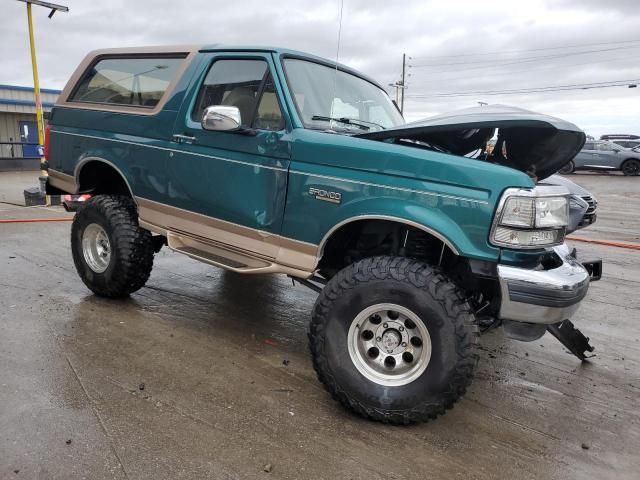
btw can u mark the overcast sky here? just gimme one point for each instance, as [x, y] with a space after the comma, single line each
[456, 47]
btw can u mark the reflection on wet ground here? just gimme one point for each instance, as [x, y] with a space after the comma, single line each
[206, 374]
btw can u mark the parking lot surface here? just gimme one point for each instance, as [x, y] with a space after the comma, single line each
[206, 374]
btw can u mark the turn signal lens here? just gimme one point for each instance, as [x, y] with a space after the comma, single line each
[527, 238]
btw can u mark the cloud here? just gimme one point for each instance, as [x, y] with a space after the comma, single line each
[518, 43]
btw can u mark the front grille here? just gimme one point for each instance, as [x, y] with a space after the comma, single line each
[592, 204]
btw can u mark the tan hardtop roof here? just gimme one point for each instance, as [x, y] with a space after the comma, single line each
[143, 50]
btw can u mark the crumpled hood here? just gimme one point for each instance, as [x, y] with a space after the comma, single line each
[534, 143]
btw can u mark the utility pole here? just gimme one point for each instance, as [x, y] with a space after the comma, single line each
[36, 81]
[404, 71]
[401, 84]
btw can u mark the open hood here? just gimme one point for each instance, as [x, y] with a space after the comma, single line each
[536, 144]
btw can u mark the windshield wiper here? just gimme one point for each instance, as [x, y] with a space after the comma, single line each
[348, 121]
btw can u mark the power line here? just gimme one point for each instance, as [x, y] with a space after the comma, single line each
[499, 63]
[532, 67]
[516, 92]
[551, 88]
[503, 52]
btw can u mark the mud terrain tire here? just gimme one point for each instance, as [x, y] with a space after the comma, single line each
[418, 288]
[119, 262]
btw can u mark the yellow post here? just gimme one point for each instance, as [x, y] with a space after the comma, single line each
[38, 100]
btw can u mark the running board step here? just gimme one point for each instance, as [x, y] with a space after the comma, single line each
[217, 255]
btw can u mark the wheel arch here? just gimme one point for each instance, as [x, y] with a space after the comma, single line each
[335, 230]
[112, 180]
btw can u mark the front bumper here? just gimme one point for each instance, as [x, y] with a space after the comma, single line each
[543, 296]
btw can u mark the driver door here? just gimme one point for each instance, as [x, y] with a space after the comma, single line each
[235, 181]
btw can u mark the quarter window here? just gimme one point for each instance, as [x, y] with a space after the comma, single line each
[246, 84]
[139, 82]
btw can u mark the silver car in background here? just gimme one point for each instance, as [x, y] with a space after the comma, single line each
[582, 205]
[604, 155]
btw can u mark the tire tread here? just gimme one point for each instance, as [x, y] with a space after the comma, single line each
[133, 246]
[432, 282]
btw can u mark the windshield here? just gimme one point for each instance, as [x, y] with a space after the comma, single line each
[326, 98]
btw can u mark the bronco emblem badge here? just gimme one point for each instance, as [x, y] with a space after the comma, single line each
[327, 196]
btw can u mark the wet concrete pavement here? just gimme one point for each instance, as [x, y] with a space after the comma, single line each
[206, 374]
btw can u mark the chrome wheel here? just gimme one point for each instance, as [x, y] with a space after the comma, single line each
[389, 344]
[96, 248]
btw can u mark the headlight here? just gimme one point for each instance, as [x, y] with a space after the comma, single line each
[552, 212]
[531, 218]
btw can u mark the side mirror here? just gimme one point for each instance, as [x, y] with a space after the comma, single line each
[221, 118]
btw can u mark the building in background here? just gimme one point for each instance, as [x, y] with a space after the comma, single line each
[18, 128]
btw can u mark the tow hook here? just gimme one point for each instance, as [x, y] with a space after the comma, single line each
[594, 267]
[572, 338]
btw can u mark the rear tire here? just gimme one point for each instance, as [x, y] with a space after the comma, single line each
[356, 367]
[112, 254]
[568, 168]
[631, 167]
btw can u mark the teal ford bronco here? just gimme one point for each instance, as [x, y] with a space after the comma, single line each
[416, 236]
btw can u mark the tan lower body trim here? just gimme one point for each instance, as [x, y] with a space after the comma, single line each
[63, 181]
[286, 252]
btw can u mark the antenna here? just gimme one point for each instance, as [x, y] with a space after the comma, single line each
[335, 76]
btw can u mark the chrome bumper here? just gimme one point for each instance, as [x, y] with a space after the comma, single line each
[543, 296]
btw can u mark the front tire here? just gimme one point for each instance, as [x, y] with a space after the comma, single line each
[394, 340]
[112, 254]
[631, 167]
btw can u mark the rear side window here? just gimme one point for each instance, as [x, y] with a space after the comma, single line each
[588, 146]
[138, 82]
[604, 147]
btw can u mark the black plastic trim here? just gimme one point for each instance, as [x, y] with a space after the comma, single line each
[535, 295]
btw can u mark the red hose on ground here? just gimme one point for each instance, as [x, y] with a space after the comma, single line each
[34, 220]
[608, 243]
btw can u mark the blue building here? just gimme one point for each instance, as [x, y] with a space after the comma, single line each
[18, 129]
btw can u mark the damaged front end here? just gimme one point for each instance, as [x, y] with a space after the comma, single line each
[531, 301]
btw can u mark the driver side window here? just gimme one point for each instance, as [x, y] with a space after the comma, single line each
[245, 84]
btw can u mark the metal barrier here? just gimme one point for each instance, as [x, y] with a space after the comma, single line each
[18, 150]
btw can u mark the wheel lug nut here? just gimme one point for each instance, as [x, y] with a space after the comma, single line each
[401, 329]
[404, 344]
[385, 325]
[378, 339]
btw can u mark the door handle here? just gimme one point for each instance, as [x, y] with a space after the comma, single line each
[179, 138]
